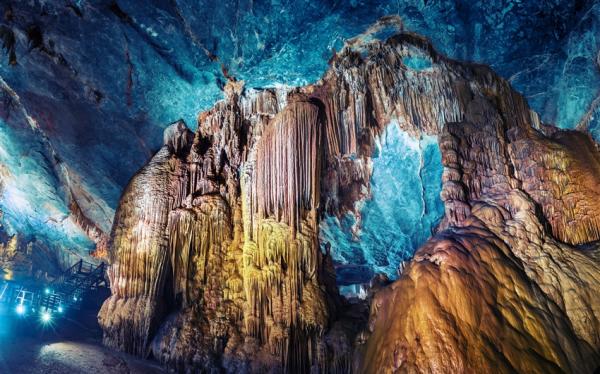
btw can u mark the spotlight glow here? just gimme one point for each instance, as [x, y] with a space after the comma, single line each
[47, 291]
[60, 309]
[46, 317]
[21, 309]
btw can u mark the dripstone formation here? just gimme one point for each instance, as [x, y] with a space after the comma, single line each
[215, 254]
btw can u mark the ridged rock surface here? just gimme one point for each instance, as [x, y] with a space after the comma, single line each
[216, 262]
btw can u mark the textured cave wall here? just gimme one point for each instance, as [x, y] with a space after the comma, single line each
[401, 211]
[215, 248]
[30, 172]
[501, 287]
[496, 291]
[232, 258]
[102, 78]
[85, 85]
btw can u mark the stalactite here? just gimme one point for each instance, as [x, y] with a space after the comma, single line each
[226, 227]
[287, 166]
[95, 233]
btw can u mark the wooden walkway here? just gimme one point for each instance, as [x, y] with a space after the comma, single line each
[64, 293]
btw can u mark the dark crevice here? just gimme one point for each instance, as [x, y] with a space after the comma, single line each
[8, 44]
[160, 50]
[35, 37]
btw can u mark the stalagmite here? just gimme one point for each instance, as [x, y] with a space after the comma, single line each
[215, 255]
[139, 250]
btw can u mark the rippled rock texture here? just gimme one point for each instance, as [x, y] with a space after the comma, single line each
[215, 251]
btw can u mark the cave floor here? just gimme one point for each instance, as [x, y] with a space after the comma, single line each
[69, 345]
[66, 356]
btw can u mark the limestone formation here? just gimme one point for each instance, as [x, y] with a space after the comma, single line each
[215, 256]
[25, 258]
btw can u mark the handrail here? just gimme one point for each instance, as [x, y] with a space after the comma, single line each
[76, 280]
[77, 267]
[96, 274]
[3, 291]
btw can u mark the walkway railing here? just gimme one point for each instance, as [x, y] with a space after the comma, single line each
[65, 292]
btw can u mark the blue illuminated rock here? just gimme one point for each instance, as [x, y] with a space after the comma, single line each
[400, 213]
[223, 252]
[102, 78]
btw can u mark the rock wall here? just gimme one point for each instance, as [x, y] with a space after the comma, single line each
[495, 291]
[24, 258]
[501, 287]
[204, 235]
[216, 262]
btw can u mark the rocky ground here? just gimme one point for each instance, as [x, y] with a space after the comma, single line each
[68, 346]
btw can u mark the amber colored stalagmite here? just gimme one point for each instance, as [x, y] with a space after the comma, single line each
[139, 256]
[496, 291]
[215, 259]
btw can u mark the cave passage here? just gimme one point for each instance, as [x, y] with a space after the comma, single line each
[403, 208]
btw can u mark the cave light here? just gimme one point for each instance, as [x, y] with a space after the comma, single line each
[20, 309]
[15, 199]
[46, 317]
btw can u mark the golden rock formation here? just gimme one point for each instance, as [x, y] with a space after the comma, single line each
[215, 258]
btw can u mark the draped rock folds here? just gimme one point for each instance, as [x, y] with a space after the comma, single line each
[215, 259]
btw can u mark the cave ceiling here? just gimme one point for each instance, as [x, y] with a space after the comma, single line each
[87, 88]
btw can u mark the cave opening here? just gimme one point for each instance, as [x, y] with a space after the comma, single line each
[399, 213]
